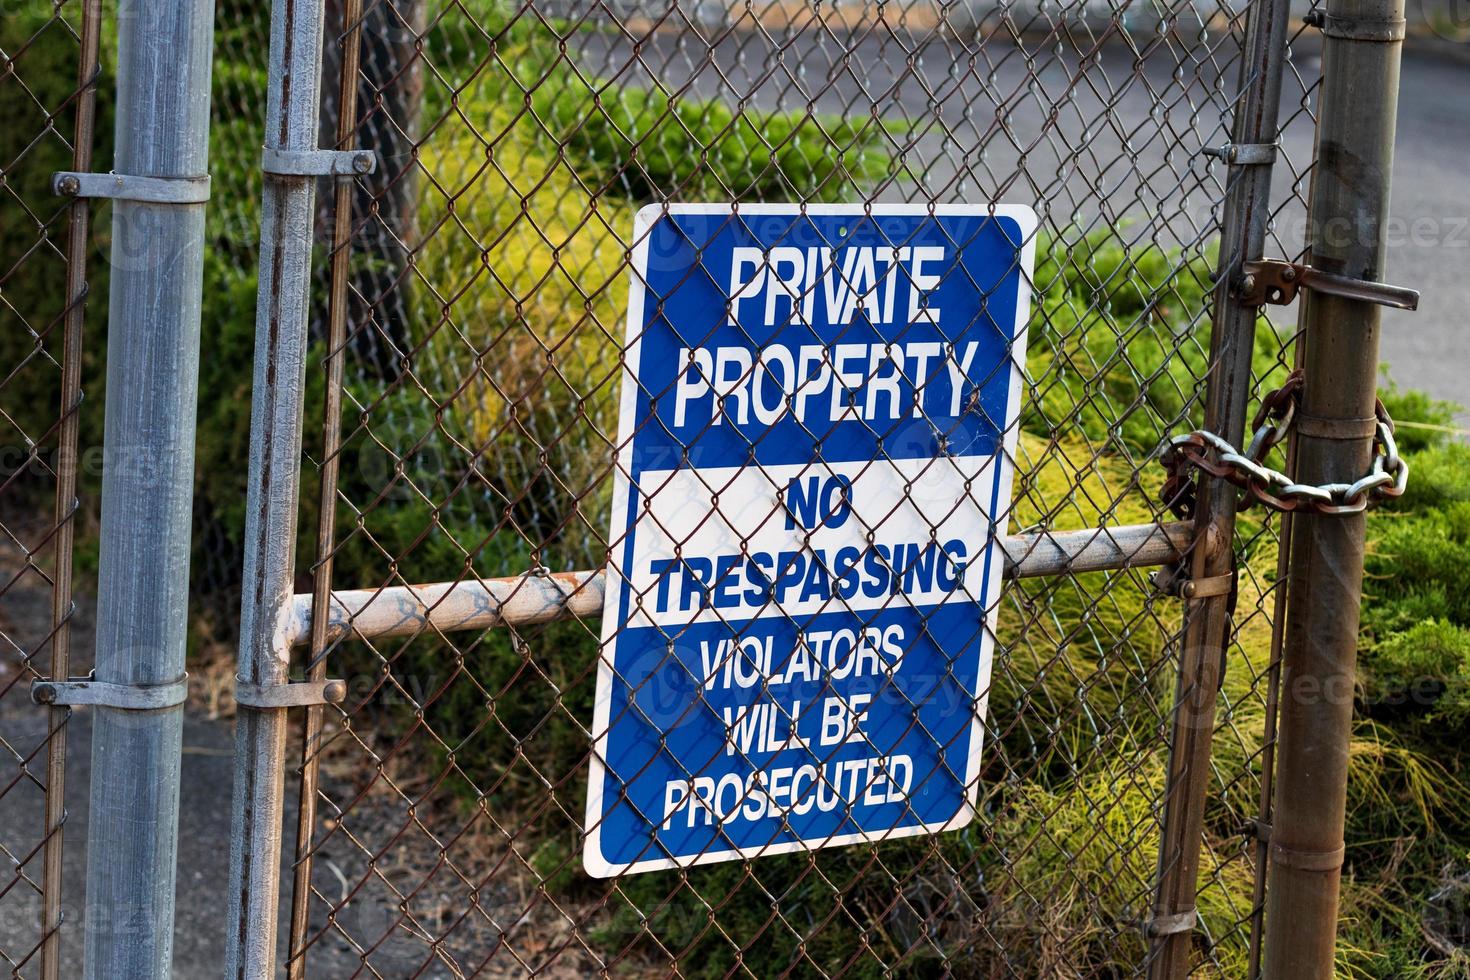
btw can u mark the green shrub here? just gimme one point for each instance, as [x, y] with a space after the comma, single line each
[1423, 421]
[32, 299]
[646, 145]
[38, 52]
[1118, 344]
[1416, 566]
[1409, 802]
[1438, 475]
[1423, 667]
[1416, 609]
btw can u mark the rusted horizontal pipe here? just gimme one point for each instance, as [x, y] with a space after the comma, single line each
[1097, 549]
[522, 600]
[471, 604]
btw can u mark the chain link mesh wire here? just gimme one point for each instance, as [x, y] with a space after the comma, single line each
[48, 69]
[485, 303]
[486, 295]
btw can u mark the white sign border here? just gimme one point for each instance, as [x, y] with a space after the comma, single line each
[592, 858]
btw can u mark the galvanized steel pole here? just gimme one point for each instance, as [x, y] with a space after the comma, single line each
[1334, 443]
[1206, 633]
[163, 87]
[286, 224]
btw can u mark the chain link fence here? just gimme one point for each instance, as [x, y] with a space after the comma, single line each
[471, 322]
[483, 312]
[48, 71]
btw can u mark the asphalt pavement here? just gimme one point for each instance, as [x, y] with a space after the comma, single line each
[1430, 232]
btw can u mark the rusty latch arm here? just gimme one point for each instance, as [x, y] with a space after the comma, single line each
[292, 694]
[1243, 154]
[1276, 281]
[1168, 925]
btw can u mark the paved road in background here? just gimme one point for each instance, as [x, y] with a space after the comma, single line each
[1430, 349]
[1088, 144]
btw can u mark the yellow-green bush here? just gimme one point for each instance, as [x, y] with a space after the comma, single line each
[521, 301]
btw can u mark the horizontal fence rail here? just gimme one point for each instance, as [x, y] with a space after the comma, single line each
[525, 600]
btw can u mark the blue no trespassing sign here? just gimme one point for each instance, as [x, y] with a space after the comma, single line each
[818, 412]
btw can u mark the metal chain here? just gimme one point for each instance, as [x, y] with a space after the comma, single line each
[1270, 487]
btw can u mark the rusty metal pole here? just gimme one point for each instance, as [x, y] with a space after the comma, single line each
[350, 59]
[1334, 443]
[1206, 633]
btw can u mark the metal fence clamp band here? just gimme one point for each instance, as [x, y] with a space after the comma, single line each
[317, 163]
[79, 691]
[1381, 30]
[1304, 860]
[1200, 588]
[1169, 925]
[1337, 429]
[297, 694]
[129, 187]
[1243, 154]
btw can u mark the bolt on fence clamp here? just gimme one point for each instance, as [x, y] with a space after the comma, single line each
[1276, 281]
[78, 691]
[1243, 154]
[293, 694]
[1256, 829]
[1203, 588]
[317, 163]
[1170, 579]
[1174, 579]
[127, 187]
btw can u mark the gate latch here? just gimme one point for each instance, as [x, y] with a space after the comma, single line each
[1276, 281]
[317, 163]
[293, 694]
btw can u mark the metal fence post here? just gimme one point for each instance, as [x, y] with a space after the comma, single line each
[1206, 631]
[286, 227]
[1334, 443]
[163, 89]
